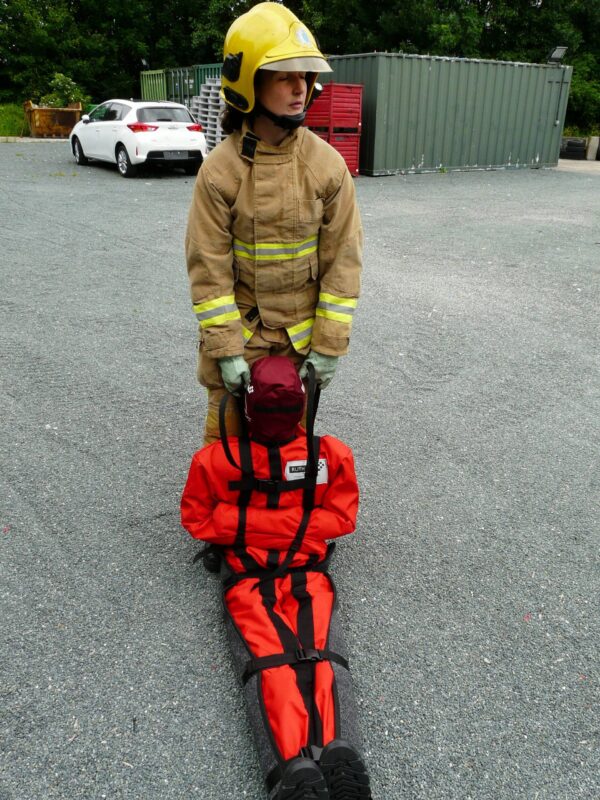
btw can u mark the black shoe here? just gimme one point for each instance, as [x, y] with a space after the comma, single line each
[344, 772]
[302, 780]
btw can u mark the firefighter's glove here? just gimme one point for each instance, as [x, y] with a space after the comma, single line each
[325, 367]
[235, 373]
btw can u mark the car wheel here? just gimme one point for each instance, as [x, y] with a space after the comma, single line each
[192, 168]
[78, 153]
[126, 168]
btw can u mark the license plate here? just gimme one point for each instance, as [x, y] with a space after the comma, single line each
[176, 154]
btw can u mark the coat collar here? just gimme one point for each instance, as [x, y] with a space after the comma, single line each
[253, 149]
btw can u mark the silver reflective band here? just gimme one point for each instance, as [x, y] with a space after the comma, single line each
[335, 307]
[303, 334]
[216, 312]
[275, 251]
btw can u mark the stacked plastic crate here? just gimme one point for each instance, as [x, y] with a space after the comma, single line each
[207, 107]
[336, 117]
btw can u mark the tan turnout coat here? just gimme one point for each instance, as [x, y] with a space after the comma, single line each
[274, 236]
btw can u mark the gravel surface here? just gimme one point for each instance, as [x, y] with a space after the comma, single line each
[471, 399]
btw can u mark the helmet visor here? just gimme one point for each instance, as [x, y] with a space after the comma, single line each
[301, 64]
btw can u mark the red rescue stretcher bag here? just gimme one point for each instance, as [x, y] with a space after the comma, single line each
[284, 633]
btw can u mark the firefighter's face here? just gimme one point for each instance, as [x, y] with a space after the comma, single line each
[282, 93]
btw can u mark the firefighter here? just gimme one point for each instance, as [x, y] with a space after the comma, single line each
[270, 499]
[274, 237]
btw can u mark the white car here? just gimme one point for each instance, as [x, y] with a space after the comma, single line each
[129, 133]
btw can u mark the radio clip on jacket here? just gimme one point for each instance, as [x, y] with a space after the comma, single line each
[287, 648]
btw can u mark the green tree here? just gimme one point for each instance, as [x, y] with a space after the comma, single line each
[104, 47]
[100, 46]
[30, 46]
[210, 25]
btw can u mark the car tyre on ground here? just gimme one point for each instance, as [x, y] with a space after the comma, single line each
[124, 165]
[78, 153]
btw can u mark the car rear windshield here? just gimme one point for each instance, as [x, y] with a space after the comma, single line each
[160, 114]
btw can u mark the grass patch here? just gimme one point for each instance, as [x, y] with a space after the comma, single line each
[12, 120]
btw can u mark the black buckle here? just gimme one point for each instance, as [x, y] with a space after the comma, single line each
[267, 485]
[303, 655]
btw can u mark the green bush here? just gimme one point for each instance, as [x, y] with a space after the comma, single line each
[583, 111]
[13, 121]
[581, 133]
[63, 91]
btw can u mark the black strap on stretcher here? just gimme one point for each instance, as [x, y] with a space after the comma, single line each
[250, 483]
[299, 656]
[311, 473]
[266, 574]
[211, 558]
[268, 486]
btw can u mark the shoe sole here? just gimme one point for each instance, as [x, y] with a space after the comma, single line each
[345, 773]
[303, 780]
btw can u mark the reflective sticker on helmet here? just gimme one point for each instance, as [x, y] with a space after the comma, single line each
[294, 471]
[303, 37]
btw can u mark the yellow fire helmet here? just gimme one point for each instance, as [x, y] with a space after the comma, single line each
[269, 36]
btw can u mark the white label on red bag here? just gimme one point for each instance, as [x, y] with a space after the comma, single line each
[294, 471]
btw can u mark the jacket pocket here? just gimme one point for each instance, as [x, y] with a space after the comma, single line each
[311, 211]
[313, 262]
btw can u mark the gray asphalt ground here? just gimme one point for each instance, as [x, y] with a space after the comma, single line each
[471, 399]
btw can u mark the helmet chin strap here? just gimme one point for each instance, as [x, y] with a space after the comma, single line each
[288, 122]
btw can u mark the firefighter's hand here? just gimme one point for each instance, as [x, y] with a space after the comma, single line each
[235, 373]
[325, 367]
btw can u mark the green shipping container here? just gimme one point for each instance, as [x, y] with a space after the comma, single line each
[153, 84]
[178, 84]
[428, 113]
[205, 71]
[181, 84]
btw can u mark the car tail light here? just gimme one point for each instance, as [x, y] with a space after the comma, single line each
[197, 128]
[140, 127]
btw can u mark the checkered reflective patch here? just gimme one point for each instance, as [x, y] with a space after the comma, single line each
[294, 470]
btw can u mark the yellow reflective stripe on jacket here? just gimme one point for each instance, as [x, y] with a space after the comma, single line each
[275, 251]
[301, 334]
[339, 309]
[217, 311]
[247, 333]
